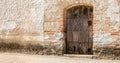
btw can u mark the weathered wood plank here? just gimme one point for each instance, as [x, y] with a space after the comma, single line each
[79, 33]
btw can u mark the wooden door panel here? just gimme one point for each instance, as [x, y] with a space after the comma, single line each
[75, 36]
[79, 30]
[69, 36]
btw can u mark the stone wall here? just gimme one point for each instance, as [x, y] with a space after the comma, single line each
[106, 21]
[43, 21]
[21, 21]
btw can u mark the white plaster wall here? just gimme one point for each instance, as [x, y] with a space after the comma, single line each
[21, 20]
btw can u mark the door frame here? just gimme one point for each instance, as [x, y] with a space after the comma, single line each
[65, 22]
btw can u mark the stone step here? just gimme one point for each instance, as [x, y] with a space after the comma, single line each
[80, 56]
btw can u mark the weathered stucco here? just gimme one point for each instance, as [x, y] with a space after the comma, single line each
[43, 21]
[21, 21]
[106, 20]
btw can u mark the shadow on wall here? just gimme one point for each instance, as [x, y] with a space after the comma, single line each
[30, 49]
[107, 53]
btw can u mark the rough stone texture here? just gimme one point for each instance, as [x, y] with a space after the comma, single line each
[106, 20]
[21, 21]
[107, 53]
[43, 21]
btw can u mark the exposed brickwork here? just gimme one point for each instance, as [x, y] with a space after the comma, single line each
[35, 21]
[105, 21]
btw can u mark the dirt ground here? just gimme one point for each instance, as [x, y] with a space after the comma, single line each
[24, 58]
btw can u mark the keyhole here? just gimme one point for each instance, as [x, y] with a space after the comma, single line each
[89, 23]
[74, 48]
[89, 50]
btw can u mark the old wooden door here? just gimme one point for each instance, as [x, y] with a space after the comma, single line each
[79, 30]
